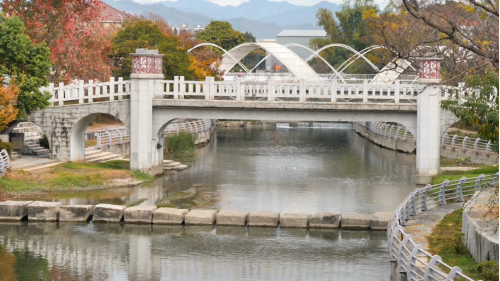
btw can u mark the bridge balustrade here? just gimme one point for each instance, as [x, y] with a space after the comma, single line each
[409, 256]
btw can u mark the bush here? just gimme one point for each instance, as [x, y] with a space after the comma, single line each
[488, 270]
[44, 142]
[181, 143]
[7, 146]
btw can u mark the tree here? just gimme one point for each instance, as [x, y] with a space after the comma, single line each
[71, 29]
[26, 62]
[8, 100]
[222, 34]
[146, 34]
[248, 36]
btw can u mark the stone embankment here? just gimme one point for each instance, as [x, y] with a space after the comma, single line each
[54, 211]
[394, 143]
[480, 225]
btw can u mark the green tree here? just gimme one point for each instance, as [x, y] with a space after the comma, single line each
[480, 106]
[222, 34]
[249, 37]
[25, 61]
[146, 34]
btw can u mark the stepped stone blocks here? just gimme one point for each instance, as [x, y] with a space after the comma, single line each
[200, 217]
[294, 220]
[43, 211]
[108, 213]
[13, 210]
[169, 216]
[139, 214]
[228, 217]
[355, 221]
[75, 213]
[325, 220]
[380, 220]
[266, 219]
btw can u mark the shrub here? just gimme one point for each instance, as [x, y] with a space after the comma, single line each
[180, 143]
[44, 142]
[7, 146]
[488, 270]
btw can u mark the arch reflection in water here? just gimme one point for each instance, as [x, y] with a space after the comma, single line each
[143, 252]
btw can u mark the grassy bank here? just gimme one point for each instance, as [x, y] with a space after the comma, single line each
[180, 144]
[69, 175]
[446, 240]
[456, 175]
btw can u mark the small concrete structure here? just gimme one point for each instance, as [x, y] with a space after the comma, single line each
[325, 220]
[139, 214]
[75, 212]
[200, 217]
[380, 220]
[228, 217]
[13, 210]
[260, 218]
[355, 221]
[169, 216]
[294, 220]
[108, 213]
[43, 211]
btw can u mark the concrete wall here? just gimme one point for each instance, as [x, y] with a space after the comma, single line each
[479, 157]
[122, 149]
[407, 146]
[481, 229]
[65, 125]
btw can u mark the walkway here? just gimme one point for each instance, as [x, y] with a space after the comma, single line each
[31, 163]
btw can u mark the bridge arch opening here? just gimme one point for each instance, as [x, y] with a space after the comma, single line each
[99, 137]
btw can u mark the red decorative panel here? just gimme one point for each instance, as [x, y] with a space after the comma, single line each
[430, 69]
[147, 62]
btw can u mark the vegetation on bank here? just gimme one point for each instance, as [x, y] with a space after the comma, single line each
[69, 175]
[446, 240]
[180, 144]
[456, 175]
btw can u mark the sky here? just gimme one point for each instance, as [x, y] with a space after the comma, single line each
[237, 2]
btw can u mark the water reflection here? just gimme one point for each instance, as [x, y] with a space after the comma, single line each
[287, 170]
[81, 251]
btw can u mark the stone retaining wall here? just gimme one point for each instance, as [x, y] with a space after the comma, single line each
[479, 157]
[480, 227]
[53, 211]
[399, 144]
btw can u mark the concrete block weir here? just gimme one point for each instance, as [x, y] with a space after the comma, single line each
[36, 211]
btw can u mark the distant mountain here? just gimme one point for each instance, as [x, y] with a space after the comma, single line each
[244, 17]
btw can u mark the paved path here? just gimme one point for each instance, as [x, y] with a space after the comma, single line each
[420, 226]
[31, 163]
[459, 168]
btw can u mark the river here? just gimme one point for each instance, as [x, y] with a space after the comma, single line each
[248, 169]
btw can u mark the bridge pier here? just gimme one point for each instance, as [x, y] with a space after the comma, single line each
[146, 70]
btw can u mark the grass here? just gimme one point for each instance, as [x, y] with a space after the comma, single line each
[446, 240]
[69, 175]
[90, 143]
[446, 162]
[180, 143]
[456, 175]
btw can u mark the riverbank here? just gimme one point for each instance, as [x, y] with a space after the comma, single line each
[71, 176]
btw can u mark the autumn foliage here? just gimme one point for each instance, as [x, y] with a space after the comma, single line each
[8, 101]
[71, 29]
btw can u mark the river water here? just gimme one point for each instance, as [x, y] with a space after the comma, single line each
[285, 170]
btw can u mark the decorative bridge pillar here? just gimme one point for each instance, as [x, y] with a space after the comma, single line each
[146, 69]
[428, 121]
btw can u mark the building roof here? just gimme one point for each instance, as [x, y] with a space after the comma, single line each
[110, 14]
[301, 33]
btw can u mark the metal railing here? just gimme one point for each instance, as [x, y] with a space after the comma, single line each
[80, 93]
[197, 126]
[112, 137]
[4, 161]
[410, 257]
[466, 143]
[303, 91]
[389, 130]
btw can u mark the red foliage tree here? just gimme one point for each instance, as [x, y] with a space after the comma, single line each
[79, 46]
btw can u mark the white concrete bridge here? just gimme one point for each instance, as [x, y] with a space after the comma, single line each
[147, 104]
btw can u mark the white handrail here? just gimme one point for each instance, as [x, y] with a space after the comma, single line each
[473, 144]
[4, 161]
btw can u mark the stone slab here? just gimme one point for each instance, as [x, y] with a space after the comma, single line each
[108, 213]
[380, 220]
[43, 211]
[355, 221]
[139, 214]
[294, 220]
[200, 217]
[229, 217]
[325, 220]
[13, 210]
[75, 212]
[169, 216]
[259, 218]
